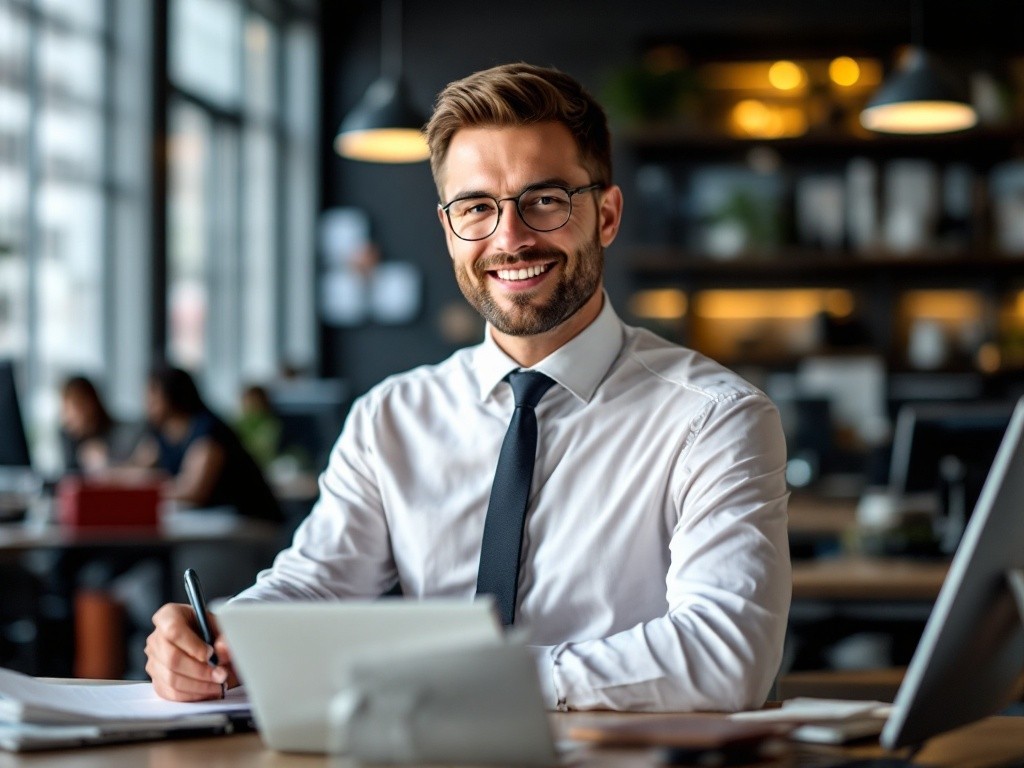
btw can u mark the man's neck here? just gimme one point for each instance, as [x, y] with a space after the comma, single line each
[530, 350]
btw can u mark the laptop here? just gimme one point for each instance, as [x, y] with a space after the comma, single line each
[296, 657]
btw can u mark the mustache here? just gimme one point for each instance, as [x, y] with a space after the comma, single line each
[499, 260]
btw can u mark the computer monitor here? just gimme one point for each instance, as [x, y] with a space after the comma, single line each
[13, 442]
[941, 454]
[971, 653]
[311, 412]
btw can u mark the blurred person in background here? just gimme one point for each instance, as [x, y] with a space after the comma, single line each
[207, 463]
[258, 426]
[91, 440]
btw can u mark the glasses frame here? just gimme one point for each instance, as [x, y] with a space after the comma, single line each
[570, 191]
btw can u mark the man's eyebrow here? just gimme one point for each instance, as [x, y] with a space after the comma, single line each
[552, 181]
[469, 193]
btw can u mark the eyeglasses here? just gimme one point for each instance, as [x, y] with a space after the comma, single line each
[542, 207]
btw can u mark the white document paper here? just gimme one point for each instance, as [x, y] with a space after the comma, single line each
[810, 710]
[26, 699]
[824, 721]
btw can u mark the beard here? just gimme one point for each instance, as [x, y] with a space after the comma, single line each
[580, 278]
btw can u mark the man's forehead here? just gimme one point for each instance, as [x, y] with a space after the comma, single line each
[505, 159]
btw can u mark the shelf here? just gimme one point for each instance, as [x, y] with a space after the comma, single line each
[770, 308]
[807, 267]
[985, 145]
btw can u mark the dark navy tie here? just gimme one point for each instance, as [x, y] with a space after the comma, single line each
[506, 511]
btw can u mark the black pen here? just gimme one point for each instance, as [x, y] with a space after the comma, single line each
[194, 590]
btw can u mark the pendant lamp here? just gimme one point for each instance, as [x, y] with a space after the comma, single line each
[918, 100]
[384, 127]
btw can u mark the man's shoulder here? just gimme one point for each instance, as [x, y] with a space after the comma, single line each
[455, 371]
[677, 366]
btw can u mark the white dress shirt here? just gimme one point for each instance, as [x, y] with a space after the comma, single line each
[655, 566]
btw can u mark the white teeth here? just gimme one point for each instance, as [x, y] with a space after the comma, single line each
[522, 274]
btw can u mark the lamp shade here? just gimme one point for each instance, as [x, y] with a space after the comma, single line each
[917, 99]
[383, 127]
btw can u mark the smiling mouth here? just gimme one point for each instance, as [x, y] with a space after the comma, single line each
[525, 273]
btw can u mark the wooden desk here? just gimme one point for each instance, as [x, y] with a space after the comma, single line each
[996, 741]
[868, 578]
[837, 598]
[817, 517]
[64, 642]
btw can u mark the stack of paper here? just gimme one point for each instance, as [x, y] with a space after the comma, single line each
[825, 721]
[35, 714]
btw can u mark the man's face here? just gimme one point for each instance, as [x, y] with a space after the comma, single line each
[522, 281]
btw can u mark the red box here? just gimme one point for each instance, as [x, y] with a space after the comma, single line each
[85, 503]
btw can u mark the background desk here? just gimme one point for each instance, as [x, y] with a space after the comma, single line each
[868, 579]
[814, 519]
[251, 543]
[882, 603]
[852, 609]
[41, 583]
[176, 528]
[996, 741]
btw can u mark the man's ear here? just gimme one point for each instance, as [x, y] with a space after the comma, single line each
[609, 214]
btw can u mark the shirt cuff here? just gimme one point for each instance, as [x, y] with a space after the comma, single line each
[546, 659]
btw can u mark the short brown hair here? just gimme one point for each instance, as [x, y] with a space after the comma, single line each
[521, 94]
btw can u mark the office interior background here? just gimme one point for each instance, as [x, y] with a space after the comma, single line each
[169, 190]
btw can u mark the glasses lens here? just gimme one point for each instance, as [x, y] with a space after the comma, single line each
[473, 218]
[545, 208]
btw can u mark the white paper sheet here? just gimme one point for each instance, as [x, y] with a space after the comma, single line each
[26, 699]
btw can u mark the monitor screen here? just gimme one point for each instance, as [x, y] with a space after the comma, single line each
[941, 454]
[971, 653]
[13, 443]
[311, 412]
[926, 434]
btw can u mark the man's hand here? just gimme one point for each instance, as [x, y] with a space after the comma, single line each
[178, 659]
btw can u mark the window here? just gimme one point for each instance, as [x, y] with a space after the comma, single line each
[241, 194]
[77, 261]
[65, 72]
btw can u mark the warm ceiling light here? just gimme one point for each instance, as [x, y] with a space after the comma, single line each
[755, 119]
[1020, 304]
[844, 71]
[950, 306]
[752, 116]
[916, 100]
[384, 127]
[838, 302]
[785, 75]
[782, 304]
[659, 304]
[382, 145]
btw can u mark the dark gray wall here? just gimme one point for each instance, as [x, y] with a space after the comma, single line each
[443, 41]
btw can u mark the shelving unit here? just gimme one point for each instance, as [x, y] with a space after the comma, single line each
[789, 267]
[884, 285]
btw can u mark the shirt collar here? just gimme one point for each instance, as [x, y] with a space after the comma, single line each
[579, 365]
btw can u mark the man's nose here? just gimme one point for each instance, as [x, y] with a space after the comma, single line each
[512, 232]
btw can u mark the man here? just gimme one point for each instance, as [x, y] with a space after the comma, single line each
[654, 568]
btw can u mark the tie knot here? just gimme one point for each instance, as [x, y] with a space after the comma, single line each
[529, 387]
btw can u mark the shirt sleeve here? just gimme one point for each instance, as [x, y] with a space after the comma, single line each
[342, 549]
[728, 587]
